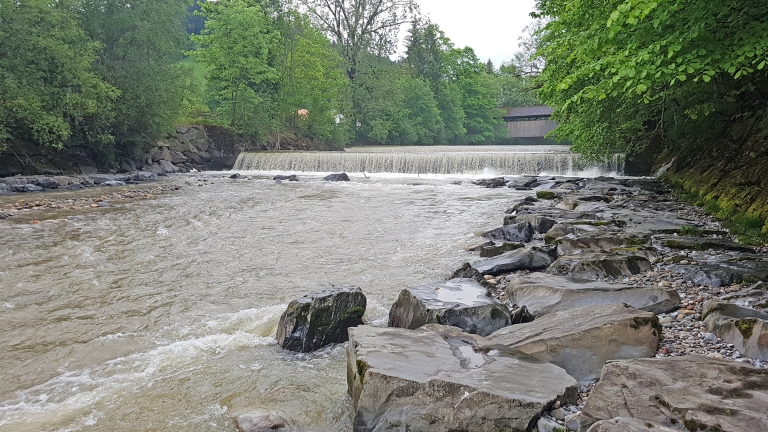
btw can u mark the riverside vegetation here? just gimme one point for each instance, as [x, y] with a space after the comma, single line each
[106, 80]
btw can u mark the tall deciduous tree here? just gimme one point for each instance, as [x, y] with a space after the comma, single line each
[141, 46]
[360, 26]
[48, 88]
[239, 45]
[311, 79]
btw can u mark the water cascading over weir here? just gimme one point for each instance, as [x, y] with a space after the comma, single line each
[468, 160]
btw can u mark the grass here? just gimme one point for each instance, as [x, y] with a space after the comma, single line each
[198, 70]
[751, 230]
[690, 231]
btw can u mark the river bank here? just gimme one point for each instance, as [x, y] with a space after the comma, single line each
[565, 253]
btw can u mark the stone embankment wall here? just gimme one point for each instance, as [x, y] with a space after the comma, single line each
[191, 147]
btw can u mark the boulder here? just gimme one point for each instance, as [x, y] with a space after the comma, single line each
[518, 233]
[697, 392]
[593, 266]
[320, 319]
[29, 187]
[581, 340]
[113, 183]
[699, 243]
[544, 294]
[177, 157]
[724, 273]
[47, 183]
[745, 328]
[436, 379]
[595, 242]
[145, 176]
[336, 177]
[292, 177]
[540, 224]
[461, 303]
[624, 424]
[492, 250]
[167, 167]
[200, 144]
[535, 258]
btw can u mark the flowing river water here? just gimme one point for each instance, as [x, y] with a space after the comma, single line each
[161, 314]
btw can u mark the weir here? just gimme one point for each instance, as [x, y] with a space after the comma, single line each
[495, 160]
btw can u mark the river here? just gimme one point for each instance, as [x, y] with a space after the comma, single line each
[161, 314]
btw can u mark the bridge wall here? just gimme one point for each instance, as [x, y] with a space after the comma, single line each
[530, 128]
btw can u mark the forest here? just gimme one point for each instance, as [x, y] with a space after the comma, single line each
[110, 77]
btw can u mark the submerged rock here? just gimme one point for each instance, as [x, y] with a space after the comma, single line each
[461, 303]
[544, 294]
[694, 391]
[745, 328]
[320, 319]
[436, 379]
[336, 177]
[581, 340]
[262, 423]
[595, 266]
[292, 177]
[535, 258]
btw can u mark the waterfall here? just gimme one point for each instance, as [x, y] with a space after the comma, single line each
[495, 160]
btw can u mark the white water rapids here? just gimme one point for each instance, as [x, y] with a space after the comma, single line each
[161, 314]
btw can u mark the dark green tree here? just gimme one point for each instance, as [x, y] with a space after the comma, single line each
[141, 42]
[49, 92]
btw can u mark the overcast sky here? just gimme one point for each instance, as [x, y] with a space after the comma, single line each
[491, 27]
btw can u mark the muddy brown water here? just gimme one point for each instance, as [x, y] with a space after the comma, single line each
[160, 314]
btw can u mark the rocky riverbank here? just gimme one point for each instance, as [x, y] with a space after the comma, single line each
[626, 309]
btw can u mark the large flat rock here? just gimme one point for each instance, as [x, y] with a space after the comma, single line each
[544, 294]
[535, 258]
[695, 391]
[745, 328]
[436, 379]
[595, 266]
[624, 424]
[461, 303]
[320, 319]
[581, 340]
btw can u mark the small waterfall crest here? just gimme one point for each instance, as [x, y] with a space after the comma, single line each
[468, 160]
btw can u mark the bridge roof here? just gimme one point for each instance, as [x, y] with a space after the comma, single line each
[529, 111]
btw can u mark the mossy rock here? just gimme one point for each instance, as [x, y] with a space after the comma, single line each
[545, 194]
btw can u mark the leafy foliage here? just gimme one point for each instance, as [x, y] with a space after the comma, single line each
[48, 87]
[622, 71]
[238, 46]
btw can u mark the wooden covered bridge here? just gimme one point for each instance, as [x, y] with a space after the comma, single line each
[529, 124]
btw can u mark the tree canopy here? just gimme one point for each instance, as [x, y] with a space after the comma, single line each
[619, 71]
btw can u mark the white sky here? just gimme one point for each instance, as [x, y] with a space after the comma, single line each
[491, 27]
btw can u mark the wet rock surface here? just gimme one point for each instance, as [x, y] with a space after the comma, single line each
[599, 266]
[581, 340]
[320, 319]
[696, 392]
[535, 258]
[461, 303]
[435, 378]
[543, 294]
